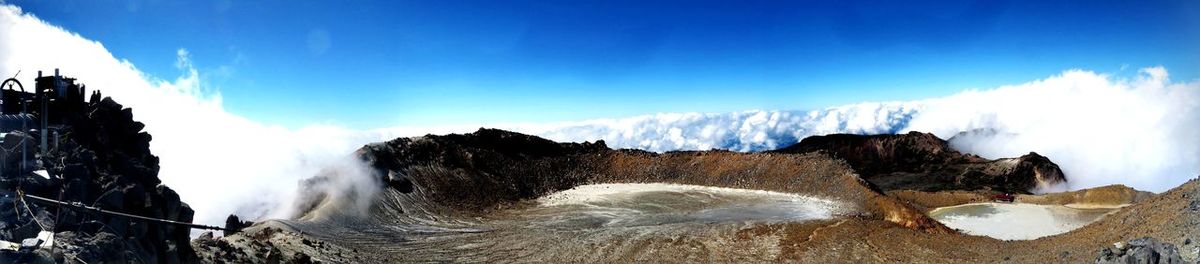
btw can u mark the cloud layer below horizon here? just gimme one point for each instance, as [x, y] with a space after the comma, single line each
[1142, 131]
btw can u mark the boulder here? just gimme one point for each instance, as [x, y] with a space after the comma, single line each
[233, 225]
[16, 143]
[1142, 250]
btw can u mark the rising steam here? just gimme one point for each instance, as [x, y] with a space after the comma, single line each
[1142, 131]
[218, 162]
[344, 188]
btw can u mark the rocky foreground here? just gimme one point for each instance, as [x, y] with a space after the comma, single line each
[101, 160]
[451, 198]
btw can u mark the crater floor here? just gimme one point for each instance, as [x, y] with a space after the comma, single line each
[1017, 221]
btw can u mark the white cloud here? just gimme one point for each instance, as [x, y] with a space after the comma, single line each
[1143, 132]
[220, 163]
[741, 131]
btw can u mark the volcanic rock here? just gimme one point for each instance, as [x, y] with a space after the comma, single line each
[924, 162]
[14, 143]
[102, 159]
[234, 225]
[1141, 250]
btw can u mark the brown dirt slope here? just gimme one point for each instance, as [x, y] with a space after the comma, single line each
[1104, 196]
[1173, 217]
[1110, 195]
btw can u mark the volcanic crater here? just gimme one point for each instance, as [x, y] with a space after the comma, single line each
[489, 195]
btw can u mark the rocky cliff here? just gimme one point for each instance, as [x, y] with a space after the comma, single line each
[924, 162]
[101, 159]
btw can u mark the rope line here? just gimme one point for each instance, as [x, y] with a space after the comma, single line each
[78, 205]
[21, 196]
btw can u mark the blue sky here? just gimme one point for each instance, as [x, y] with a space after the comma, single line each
[374, 64]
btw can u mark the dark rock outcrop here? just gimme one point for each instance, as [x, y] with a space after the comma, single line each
[924, 162]
[1142, 250]
[14, 143]
[101, 159]
[233, 224]
[486, 168]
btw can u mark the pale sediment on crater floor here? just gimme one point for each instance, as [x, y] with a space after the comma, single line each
[659, 203]
[1017, 221]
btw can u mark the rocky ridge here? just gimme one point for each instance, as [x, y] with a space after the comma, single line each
[102, 160]
[924, 162]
